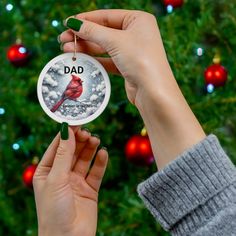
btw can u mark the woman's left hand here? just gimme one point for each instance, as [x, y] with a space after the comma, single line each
[66, 192]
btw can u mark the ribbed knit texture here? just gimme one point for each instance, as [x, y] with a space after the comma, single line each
[196, 193]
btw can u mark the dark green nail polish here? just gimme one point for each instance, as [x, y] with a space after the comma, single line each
[58, 39]
[74, 24]
[64, 131]
[95, 135]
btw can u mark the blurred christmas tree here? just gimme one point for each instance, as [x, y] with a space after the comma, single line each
[193, 34]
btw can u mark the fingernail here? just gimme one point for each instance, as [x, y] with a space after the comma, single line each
[74, 24]
[95, 135]
[58, 39]
[62, 46]
[85, 129]
[104, 148]
[64, 131]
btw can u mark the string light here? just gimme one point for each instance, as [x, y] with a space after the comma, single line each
[200, 51]
[55, 23]
[36, 34]
[29, 232]
[210, 88]
[169, 8]
[16, 146]
[9, 7]
[2, 111]
[22, 50]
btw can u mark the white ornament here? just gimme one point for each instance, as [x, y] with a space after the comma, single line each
[73, 91]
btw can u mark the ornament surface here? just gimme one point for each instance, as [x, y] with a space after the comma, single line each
[18, 55]
[216, 75]
[73, 91]
[28, 175]
[139, 151]
[174, 3]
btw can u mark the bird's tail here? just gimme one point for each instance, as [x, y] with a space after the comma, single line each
[57, 105]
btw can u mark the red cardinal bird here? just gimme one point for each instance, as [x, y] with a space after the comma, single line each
[73, 90]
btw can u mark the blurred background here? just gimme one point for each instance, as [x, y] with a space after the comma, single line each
[200, 40]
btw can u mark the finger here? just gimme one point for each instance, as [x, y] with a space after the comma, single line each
[66, 36]
[64, 154]
[44, 166]
[109, 65]
[49, 155]
[84, 159]
[109, 18]
[96, 174]
[81, 137]
[84, 47]
[75, 128]
[93, 32]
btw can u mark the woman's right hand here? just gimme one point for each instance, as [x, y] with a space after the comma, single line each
[130, 38]
[133, 42]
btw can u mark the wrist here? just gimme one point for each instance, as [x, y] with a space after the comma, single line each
[69, 230]
[156, 86]
[49, 232]
[171, 125]
[42, 231]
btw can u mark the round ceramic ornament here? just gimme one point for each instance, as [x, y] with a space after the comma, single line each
[73, 88]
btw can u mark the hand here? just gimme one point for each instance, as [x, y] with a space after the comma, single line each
[133, 42]
[66, 192]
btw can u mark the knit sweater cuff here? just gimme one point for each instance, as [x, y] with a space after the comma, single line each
[188, 184]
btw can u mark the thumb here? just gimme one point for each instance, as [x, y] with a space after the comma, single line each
[87, 30]
[65, 152]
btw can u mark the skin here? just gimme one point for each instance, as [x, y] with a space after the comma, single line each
[133, 43]
[149, 82]
[66, 194]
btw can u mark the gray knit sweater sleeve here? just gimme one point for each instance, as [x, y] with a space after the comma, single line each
[196, 193]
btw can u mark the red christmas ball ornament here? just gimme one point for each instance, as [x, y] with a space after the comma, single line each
[18, 55]
[174, 3]
[138, 150]
[28, 175]
[216, 75]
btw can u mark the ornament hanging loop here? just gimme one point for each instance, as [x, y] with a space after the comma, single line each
[75, 46]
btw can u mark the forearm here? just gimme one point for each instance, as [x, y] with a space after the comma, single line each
[170, 123]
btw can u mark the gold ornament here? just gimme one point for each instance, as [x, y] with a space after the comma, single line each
[144, 131]
[35, 160]
[217, 59]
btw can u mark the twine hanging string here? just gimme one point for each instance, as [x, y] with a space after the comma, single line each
[75, 46]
